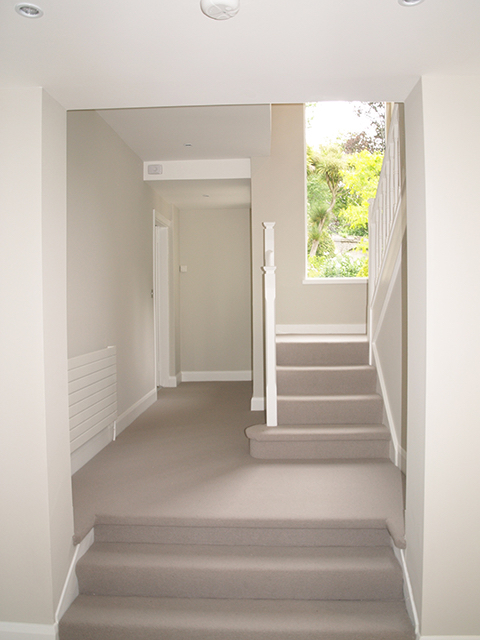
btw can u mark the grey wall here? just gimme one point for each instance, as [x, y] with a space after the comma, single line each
[110, 253]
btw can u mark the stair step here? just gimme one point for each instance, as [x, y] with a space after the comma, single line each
[321, 442]
[125, 618]
[345, 380]
[266, 533]
[214, 571]
[322, 350]
[339, 409]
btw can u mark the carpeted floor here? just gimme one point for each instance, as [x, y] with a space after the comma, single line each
[186, 458]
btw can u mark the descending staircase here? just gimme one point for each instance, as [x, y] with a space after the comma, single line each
[328, 406]
[262, 580]
[238, 583]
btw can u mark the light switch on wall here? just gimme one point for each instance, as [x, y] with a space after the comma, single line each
[183, 268]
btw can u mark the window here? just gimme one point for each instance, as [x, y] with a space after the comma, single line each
[345, 147]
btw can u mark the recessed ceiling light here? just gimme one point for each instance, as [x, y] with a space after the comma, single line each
[220, 9]
[28, 10]
[409, 3]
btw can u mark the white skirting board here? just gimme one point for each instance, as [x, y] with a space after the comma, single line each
[23, 631]
[257, 404]
[70, 588]
[448, 637]
[132, 413]
[215, 376]
[322, 328]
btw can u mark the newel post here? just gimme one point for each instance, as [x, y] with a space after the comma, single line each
[270, 326]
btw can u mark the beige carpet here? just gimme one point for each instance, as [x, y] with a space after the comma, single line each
[186, 459]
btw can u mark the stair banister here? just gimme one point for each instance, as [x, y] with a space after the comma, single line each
[270, 325]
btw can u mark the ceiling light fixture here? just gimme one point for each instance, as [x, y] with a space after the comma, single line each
[409, 3]
[220, 9]
[28, 10]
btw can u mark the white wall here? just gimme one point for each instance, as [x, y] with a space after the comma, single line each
[110, 253]
[279, 195]
[35, 488]
[443, 474]
[215, 291]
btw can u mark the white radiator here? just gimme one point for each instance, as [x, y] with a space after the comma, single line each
[92, 393]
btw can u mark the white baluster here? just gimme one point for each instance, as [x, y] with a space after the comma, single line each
[270, 326]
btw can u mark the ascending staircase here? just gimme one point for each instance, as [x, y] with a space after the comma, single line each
[261, 580]
[328, 406]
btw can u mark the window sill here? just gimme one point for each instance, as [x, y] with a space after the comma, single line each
[335, 281]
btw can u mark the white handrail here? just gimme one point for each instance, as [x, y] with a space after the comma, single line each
[270, 325]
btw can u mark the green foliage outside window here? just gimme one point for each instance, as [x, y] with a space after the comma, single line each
[341, 178]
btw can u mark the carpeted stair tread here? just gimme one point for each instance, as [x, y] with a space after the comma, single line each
[128, 618]
[336, 380]
[215, 571]
[330, 409]
[313, 432]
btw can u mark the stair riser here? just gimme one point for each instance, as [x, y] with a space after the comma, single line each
[230, 583]
[335, 382]
[258, 536]
[324, 450]
[330, 411]
[129, 619]
[323, 354]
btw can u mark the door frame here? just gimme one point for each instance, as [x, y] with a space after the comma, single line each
[161, 299]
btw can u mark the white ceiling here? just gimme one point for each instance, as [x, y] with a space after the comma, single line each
[109, 54]
[205, 194]
[214, 132]
[166, 53]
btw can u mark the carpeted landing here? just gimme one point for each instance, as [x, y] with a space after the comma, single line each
[195, 539]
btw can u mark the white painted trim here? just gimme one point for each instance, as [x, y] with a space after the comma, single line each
[172, 382]
[386, 404]
[257, 404]
[161, 219]
[362, 281]
[161, 304]
[89, 450]
[321, 328]
[24, 631]
[70, 588]
[407, 589]
[131, 414]
[215, 376]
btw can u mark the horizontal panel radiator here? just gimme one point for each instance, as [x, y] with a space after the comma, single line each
[92, 394]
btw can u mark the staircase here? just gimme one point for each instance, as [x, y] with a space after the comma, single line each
[328, 406]
[238, 583]
[262, 579]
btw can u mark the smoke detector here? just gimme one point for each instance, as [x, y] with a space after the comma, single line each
[220, 9]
